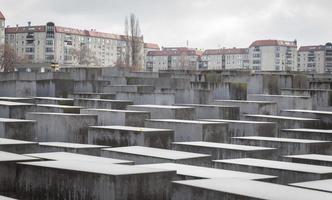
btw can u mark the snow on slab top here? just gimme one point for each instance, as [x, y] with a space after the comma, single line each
[246, 101]
[308, 130]
[183, 121]
[208, 105]
[13, 103]
[298, 167]
[131, 128]
[108, 100]
[282, 117]
[236, 121]
[54, 98]
[70, 145]
[64, 156]
[113, 110]
[15, 120]
[15, 98]
[108, 169]
[57, 106]
[224, 146]
[159, 106]
[5, 141]
[256, 189]
[206, 172]
[10, 157]
[310, 111]
[275, 139]
[5, 198]
[323, 185]
[155, 152]
[63, 114]
[318, 157]
[281, 96]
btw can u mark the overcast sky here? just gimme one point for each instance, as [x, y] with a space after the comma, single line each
[204, 23]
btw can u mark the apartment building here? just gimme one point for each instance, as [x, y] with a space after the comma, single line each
[173, 58]
[235, 58]
[149, 47]
[273, 55]
[2, 33]
[316, 58]
[68, 46]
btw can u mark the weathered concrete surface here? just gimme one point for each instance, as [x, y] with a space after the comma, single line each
[166, 111]
[89, 95]
[54, 100]
[320, 185]
[18, 146]
[238, 128]
[103, 103]
[87, 149]
[287, 146]
[62, 127]
[251, 107]
[189, 130]
[224, 150]
[284, 101]
[9, 109]
[313, 159]
[148, 155]
[306, 133]
[287, 172]
[58, 108]
[204, 111]
[109, 117]
[162, 98]
[18, 129]
[117, 136]
[72, 180]
[240, 189]
[8, 172]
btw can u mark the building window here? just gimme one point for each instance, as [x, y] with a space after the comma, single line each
[49, 42]
[49, 49]
[29, 50]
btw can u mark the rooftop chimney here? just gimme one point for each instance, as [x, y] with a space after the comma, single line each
[29, 23]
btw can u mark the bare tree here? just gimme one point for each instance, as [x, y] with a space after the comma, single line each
[8, 58]
[134, 42]
[84, 56]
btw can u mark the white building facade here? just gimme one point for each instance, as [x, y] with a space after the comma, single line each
[2, 33]
[68, 46]
[273, 55]
[235, 58]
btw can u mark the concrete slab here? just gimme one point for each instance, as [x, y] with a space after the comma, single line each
[238, 128]
[148, 155]
[18, 99]
[185, 172]
[54, 100]
[314, 159]
[62, 127]
[65, 156]
[190, 130]
[285, 122]
[18, 146]
[324, 116]
[321, 185]
[209, 111]
[18, 129]
[224, 150]
[8, 171]
[90, 95]
[251, 107]
[16, 110]
[215, 189]
[284, 101]
[287, 172]
[109, 117]
[58, 108]
[305, 133]
[73, 180]
[102, 103]
[117, 136]
[166, 111]
[87, 149]
[287, 146]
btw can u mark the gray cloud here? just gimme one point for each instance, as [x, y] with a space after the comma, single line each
[205, 23]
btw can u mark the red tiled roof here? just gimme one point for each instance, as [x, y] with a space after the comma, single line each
[151, 46]
[2, 16]
[25, 29]
[225, 51]
[273, 43]
[312, 48]
[74, 31]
